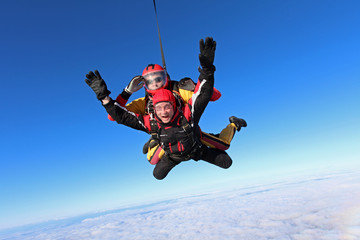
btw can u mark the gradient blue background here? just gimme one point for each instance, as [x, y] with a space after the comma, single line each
[290, 68]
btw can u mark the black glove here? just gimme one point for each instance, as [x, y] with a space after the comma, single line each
[207, 53]
[187, 83]
[152, 142]
[97, 84]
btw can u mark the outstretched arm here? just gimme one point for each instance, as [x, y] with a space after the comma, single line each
[205, 85]
[120, 114]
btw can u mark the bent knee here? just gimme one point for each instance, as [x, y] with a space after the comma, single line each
[159, 175]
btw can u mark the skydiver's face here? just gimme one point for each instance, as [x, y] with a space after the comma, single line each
[155, 80]
[164, 111]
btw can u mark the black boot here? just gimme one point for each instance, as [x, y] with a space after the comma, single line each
[239, 122]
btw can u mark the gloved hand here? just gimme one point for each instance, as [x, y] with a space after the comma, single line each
[187, 83]
[97, 84]
[152, 142]
[154, 150]
[207, 53]
[135, 84]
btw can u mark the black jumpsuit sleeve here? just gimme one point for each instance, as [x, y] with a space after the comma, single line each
[202, 95]
[122, 116]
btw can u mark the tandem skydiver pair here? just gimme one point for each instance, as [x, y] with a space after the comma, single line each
[170, 113]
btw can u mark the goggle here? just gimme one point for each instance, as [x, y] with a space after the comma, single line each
[155, 77]
[164, 108]
[157, 80]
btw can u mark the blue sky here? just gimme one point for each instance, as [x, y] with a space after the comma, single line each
[290, 68]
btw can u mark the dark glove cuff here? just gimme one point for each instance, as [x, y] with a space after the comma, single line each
[206, 72]
[102, 95]
[209, 69]
[125, 95]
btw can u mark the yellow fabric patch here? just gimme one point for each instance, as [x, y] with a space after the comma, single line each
[137, 106]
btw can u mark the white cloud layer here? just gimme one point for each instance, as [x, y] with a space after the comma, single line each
[326, 207]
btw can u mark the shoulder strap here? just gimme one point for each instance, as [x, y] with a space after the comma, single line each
[191, 132]
[186, 125]
[154, 128]
[179, 99]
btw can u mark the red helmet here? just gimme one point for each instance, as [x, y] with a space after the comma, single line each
[155, 78]
[164, 95]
